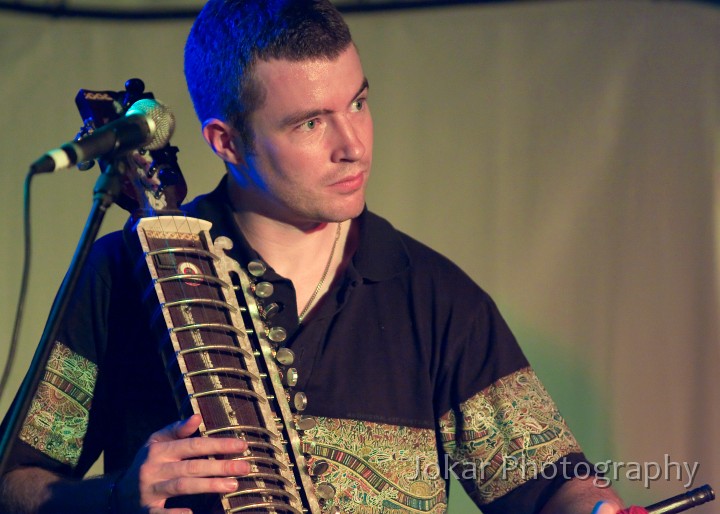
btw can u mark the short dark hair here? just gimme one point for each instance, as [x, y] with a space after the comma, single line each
[230, 36]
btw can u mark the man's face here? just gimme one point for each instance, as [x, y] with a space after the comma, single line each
[313, 139]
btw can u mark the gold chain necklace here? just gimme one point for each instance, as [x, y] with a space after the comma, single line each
[324, 276]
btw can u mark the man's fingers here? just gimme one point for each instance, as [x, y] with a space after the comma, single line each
[605, 508]
[169, 511]
[173, 463]
[188, 427]
[194, 447]
[178, 430]
[205, 468]
[184, 485]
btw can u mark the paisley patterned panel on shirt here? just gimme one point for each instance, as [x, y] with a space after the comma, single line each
[374, 467]
[58, 416]
[506, 435]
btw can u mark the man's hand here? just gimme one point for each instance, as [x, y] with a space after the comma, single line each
[605, 507]
[173, 464]
[611, 508]
[578, 496]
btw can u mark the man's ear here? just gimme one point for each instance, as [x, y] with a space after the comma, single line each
[223, 140]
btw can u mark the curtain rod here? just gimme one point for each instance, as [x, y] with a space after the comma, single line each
[60, 11]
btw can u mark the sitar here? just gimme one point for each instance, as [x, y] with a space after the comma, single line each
[224, 361]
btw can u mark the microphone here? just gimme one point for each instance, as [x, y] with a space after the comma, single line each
[679, 503]
[148, 124]
[683, 502]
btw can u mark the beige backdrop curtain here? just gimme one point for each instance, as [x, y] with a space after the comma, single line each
[566, 154]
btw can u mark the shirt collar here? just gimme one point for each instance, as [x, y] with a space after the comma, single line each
[381, 253]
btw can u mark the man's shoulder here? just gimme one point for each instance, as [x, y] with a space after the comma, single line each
[422, 261]
[420, 253]
[108, 250]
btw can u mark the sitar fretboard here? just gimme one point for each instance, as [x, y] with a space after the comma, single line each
[223, 370]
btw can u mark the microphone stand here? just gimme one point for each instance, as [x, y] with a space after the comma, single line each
[106, 190]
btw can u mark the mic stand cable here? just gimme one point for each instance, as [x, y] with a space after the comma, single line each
[107, 188]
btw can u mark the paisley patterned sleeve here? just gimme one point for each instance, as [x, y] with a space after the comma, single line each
[503, 436]
[508, 435]
[54, 434]
[57, 420]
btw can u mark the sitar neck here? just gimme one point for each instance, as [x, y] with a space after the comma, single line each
[222, 363]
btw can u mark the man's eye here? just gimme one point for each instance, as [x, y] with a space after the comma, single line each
[308, 125]
[359, 104]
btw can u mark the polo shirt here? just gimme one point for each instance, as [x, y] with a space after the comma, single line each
[410, 371]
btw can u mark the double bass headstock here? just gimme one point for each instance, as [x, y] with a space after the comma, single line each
[153, 183]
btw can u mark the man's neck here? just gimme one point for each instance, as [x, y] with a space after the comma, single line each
[311, 256]
[286, 246]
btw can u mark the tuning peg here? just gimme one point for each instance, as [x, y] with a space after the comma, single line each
[299, 401]
[319, 467]
[257, 268]
[268, 311]
[325, 491]
[263, 289]
[290, 377]
[277, 334]
[305, 423]
[285, 356]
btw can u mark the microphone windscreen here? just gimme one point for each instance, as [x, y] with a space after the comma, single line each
[159, 115]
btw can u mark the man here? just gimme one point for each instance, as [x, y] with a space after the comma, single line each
[408, 366]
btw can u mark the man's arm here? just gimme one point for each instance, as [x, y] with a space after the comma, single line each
[170, 464]
[580, 496]
[36, 490]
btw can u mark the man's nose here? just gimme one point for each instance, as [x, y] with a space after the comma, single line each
[348, 144]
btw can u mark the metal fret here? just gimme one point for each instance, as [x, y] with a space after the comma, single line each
[226, 391]
[257, 445]
[208, 326]
[227, 370]
[265, 490]
[262, 476]
[263, 460]
[214, 347]
[193, 277]
[184, 249]
[243, 428]
[267, 505]
[199, 301]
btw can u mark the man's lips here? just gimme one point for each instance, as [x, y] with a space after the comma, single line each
[350, 183]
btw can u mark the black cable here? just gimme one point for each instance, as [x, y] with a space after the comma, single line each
[23, 284]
